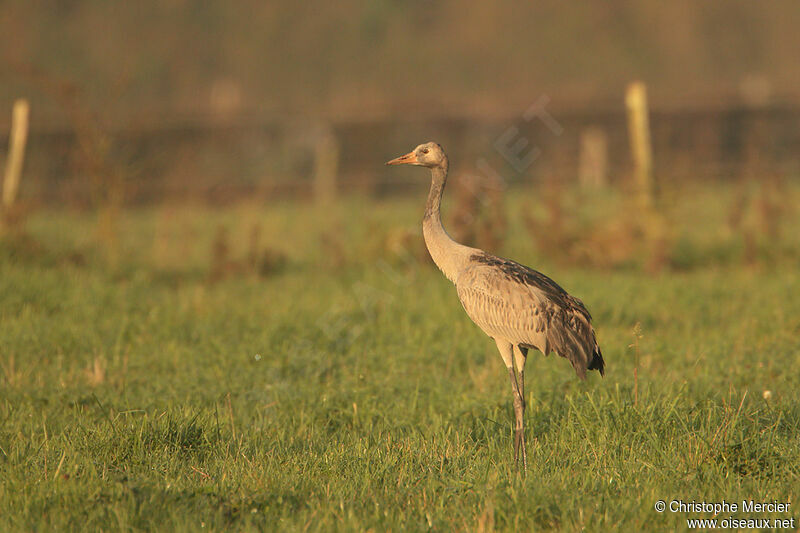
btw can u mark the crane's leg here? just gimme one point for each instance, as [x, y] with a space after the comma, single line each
[507, 353]
[520, 356]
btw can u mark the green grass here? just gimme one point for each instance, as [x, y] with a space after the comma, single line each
[137, 395]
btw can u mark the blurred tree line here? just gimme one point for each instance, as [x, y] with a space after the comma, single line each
[142, 60]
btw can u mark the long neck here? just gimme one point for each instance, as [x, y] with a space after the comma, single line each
[433, 207]
[450, 256]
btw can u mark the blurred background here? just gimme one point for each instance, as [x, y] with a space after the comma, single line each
[217, 310]
[147, 103]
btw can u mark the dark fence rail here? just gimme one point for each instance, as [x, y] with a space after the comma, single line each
[210, 160]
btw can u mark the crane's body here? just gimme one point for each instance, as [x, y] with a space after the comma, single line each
[516, 306]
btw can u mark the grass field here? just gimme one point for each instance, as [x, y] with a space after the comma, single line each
[345, 389]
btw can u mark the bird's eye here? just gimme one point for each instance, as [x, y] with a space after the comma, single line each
[424, 150]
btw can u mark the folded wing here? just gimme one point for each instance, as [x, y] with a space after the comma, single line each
[512, 302]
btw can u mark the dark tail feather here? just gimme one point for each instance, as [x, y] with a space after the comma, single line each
[577, 342]
[597, 361]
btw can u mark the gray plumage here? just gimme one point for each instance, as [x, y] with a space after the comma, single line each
[510, 301]
[516, 306]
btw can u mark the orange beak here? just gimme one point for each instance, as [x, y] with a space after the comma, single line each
[409, 159]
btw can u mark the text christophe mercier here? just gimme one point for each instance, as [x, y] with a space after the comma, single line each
[746, 506]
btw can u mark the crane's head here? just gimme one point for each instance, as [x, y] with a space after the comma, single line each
[429, 155]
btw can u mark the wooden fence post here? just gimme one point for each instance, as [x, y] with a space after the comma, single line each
[641, 148]
[593, 166]
[656, 231]
[16, 152]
